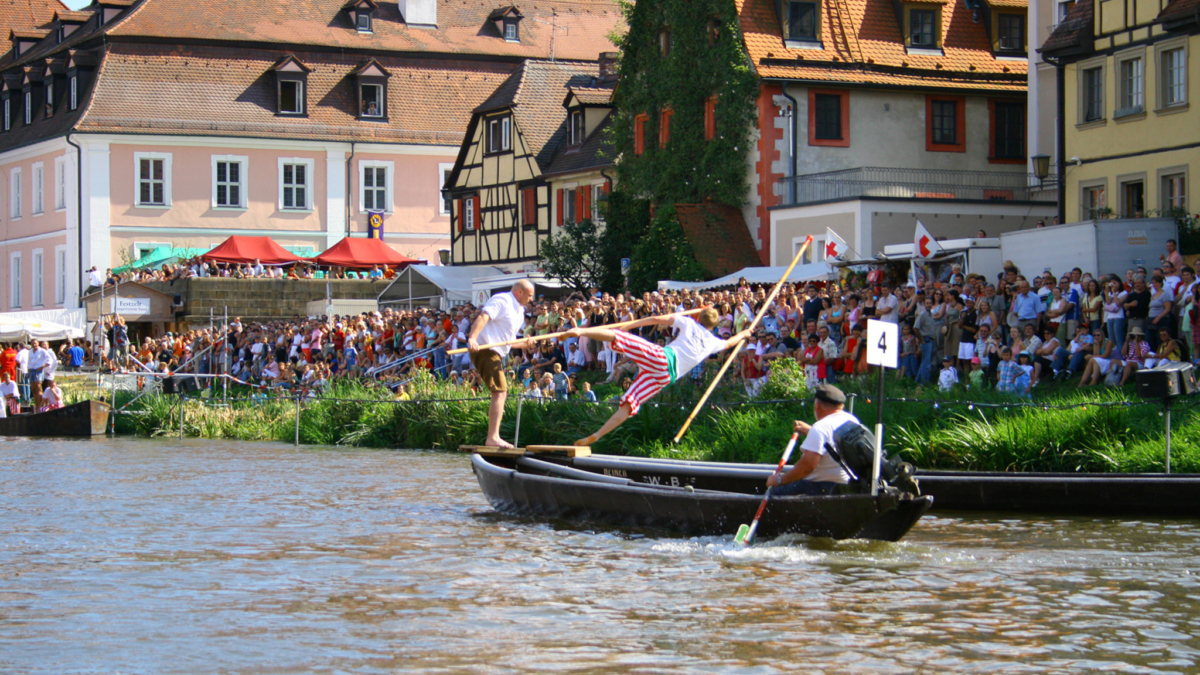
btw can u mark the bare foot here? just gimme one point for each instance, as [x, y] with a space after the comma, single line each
[585, 442]
[498, 443]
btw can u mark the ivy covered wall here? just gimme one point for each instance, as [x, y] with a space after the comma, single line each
[704, 58]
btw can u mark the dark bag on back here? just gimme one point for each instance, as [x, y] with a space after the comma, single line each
[854, 449]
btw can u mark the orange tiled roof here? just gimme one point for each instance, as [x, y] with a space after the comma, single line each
[870, 49]
[22, 15]
[462, 26]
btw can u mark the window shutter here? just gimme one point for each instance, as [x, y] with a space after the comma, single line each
[559, 202]
[607, 186]
[531, 206]
[478, 223]
[459, 210]
[710, 118]
[585, 203]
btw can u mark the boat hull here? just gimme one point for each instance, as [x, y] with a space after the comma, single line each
[1067, 493]
[87, 418]
[695, 511]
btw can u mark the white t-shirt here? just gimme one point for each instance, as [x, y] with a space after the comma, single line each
[49, 362]
[821, 434]
[692, 345]
[506, 316]
[892, 302]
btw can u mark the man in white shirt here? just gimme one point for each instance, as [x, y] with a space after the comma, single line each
[816, 473]
[9, 395]
[575, 359]
[256, 270]
[95, 279]
[49, 361]
[657, 366]
[887, 307]
[23, 367]
[499, 320]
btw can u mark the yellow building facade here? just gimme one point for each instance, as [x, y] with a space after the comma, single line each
[1128, 135]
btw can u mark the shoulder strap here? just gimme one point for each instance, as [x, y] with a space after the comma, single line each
[837, 456]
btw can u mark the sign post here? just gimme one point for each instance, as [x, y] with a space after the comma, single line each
[883, 350]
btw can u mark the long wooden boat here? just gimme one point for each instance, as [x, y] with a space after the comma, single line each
[87, 418]
[690, 498]
[1099, 494]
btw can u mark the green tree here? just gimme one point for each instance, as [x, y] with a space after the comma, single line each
[704, 59]
[576, 254]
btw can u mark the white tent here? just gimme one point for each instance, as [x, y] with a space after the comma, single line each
[422, 284]
[13, 329]
[755, 275]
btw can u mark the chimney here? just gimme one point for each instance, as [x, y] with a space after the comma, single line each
[608, 66]
[419, 13]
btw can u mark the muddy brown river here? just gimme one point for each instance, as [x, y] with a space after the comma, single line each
[161, 556]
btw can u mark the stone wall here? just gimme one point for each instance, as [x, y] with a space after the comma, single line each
[262, 298]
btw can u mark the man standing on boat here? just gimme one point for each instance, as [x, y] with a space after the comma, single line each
[657, 366]
[817, 473]
[499, 320]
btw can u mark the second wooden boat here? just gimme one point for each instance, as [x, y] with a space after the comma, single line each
[86, 418]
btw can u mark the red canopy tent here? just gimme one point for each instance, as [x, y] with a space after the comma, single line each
[240, 249]
[363, 252]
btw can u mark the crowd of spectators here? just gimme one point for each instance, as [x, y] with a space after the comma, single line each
[196, 267]
[1012, 333]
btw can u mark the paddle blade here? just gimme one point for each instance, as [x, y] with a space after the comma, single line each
[743, 535]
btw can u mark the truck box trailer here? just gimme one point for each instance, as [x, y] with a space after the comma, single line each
[1096, 246]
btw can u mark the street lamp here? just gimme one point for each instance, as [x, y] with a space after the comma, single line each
[1041, 167]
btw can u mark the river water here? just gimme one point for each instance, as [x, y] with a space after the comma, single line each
[163, 556]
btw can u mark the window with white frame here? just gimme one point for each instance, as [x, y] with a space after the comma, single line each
[60, 275]
[295, 184]
[1132, 86]
[568, 205]
[38, 259]
[597, 214]
[444, 171]
[375, 185]
[74, 92]
[38, 189]
[1174, 192]
[468, 214]
[50, 98]
[29, 107]
[60, 183]
[229, 181]
[153, 179]
[7, 114]
[1174, 77]
[371, 103]
[815, 252]
[14, 194]
[499, 134]
[14, 281]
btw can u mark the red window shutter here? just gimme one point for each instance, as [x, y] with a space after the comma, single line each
[585, 203]
[475, 201]
[607, 186]
[639, 133]
[710, 118]
[664, 127]
[559, 203]
[530, 198]
[460, 214]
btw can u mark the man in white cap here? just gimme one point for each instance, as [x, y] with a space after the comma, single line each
[499, 320]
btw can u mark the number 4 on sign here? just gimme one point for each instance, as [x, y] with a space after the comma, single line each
[883, 344]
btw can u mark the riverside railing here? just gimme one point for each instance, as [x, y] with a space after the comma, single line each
[900, 183]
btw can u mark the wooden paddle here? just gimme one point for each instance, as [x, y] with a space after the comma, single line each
[745, 533]
[548, 336]
[736, 350]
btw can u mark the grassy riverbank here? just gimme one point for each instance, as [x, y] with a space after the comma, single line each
[1100, 433]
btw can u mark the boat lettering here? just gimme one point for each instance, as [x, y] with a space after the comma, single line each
[619, 473]
[652, 480]
[674, 481]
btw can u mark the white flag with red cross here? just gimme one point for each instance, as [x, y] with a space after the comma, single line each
[836, 248]
[924, 245]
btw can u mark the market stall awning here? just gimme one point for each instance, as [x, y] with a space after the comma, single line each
[242, 249]
[14, 328]
[363, 252]
[765, 276]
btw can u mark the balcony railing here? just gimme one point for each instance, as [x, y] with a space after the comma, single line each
[886, 183]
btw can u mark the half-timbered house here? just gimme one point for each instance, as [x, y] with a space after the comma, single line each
[545, 121]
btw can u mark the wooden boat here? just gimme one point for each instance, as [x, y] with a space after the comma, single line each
[690, 498]
[87, 418]
[1094, 494]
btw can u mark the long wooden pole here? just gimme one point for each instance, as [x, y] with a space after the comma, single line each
[548, 336]
[736, 350]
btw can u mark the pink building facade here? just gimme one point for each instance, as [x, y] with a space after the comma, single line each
[114, 143]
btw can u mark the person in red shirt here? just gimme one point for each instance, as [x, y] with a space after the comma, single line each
[8, 361]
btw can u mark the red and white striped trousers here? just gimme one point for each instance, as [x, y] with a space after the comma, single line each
[653, 373]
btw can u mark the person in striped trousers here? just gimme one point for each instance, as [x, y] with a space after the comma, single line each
[657, 366]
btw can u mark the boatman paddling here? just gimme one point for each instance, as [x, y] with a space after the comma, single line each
[499, 320]
[817, 473]
[657, 366]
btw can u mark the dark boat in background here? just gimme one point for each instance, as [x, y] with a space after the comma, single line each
[1093, 494]
[87, 418]
[690, 498]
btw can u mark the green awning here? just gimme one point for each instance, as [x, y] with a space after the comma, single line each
[162, 256]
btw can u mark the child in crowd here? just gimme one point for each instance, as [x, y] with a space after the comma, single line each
[949, 376]
[587, 393]
[976, 375]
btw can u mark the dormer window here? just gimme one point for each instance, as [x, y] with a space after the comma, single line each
[507, 23]
[7, 112]
[577, 127]
[499, 134]
[802, 21]
[361, 14]
[74, 93]
[923, 26]
[291, 76]
[49, 96]
[28, 106]
[371, 82]
[1010, 33]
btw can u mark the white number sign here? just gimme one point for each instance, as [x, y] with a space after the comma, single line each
[883, 344]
